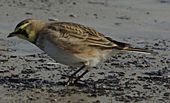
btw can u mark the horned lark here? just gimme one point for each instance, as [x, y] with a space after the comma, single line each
[70, 43]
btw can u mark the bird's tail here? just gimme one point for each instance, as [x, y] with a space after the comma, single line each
[138, 50]
[127, 47]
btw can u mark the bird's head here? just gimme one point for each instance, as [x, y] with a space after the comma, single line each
[28, 29]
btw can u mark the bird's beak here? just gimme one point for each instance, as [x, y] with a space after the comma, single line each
[12, 34]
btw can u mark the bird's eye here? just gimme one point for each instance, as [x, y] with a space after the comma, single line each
[23, 32]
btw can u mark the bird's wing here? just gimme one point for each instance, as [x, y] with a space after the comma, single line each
[72, 33]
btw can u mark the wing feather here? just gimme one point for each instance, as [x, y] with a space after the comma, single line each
[79, 34]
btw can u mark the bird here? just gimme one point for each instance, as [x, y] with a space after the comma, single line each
[72, 44]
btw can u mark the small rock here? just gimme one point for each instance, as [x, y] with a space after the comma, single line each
[28, 13]
[73, 15]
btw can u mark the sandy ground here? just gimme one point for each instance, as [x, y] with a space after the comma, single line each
[27, 75]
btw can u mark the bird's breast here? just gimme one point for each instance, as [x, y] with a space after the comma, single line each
[58, 53]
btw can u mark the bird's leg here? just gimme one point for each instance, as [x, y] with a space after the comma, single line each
[72, 76]
[79, 77]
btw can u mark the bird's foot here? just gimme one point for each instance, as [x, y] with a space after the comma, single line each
[71, 81]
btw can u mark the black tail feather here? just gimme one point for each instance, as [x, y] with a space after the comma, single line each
[128, 47]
